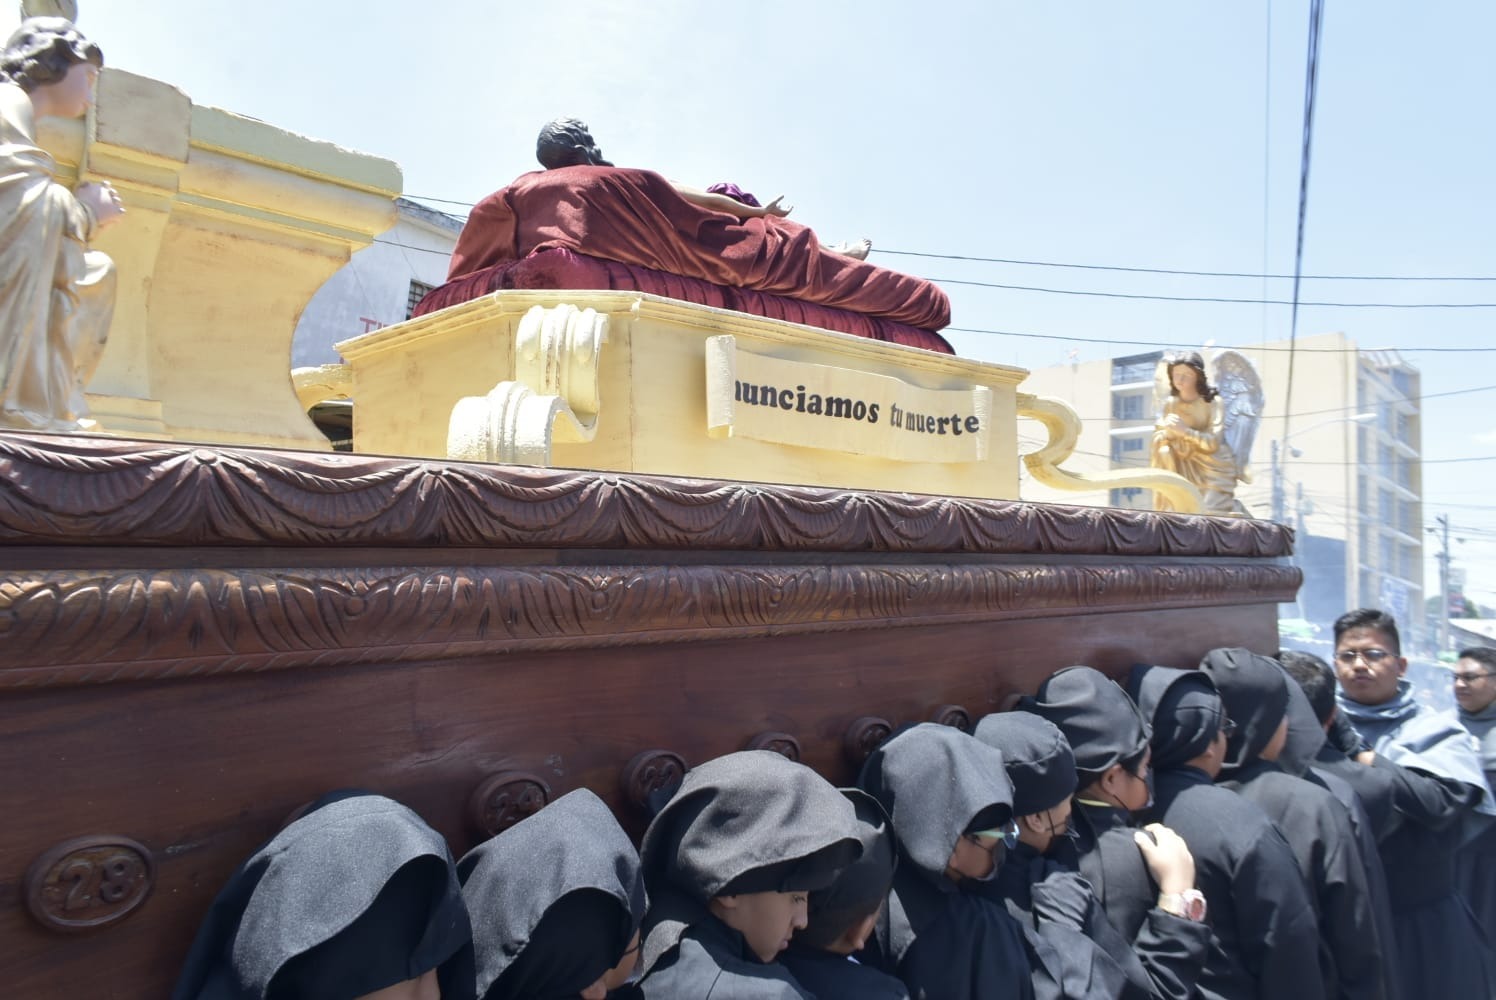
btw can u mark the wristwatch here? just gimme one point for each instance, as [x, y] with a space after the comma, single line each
[1189, 904]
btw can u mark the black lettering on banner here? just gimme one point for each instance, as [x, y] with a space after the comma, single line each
[786, 399]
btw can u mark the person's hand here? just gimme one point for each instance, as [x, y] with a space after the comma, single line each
[1366, 757]
[1171, 424]
[1168, 858]
[776, 209]
[103, 200]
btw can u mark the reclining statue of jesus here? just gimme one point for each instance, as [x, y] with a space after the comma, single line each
[566, 142]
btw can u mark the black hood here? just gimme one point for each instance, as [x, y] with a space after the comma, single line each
[747, 822]
[861, 886]
[937, 783]
[1102, 725]
[356, 895]
[566, 876]
[1182, 707]
[1036, 756]
[1254, 690]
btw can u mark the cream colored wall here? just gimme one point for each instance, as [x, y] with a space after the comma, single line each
[231, 226]
[652, 416]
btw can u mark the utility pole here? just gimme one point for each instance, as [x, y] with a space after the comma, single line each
[1277, 476]
[1443, 521]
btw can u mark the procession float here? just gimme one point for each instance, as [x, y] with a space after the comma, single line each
[647, 481]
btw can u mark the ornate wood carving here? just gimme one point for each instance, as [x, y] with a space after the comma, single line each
[89, 882]
[862, 738]
[113, 492]
[650, 778]
[502, 800]
[952, 715]
[98, 626]
[781, 743]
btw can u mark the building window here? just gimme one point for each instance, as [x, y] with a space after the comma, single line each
[1129, 405]
[1386, 507]
[1363, 497]
[1402, 382]
[1138, 368]
[1131, 496]
[1409, 568]
[418, 291]
[1127, 450]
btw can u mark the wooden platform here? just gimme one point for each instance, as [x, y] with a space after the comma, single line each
[194, 641]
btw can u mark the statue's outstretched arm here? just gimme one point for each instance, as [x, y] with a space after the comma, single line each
[722, 203]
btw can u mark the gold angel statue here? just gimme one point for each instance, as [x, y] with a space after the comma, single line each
[1205, 433]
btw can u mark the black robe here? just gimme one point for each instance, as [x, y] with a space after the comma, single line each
[1478, 858]
[1260, 698]
[1074, 949]
[711, 961]
[554, 900]
[1264, 942]
[746, 822]
[1365, 829]
[1436, 788]
[1324, 845]
[356, 895]
[836, 977]
[943, 940]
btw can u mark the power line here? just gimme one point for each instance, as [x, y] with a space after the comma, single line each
[1311, 85]
[1250, 347]
[1213, 298]
[1336, 409]
[1180, 272]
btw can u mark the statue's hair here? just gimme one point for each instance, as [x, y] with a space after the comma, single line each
[43, 49]
[558, 140]
[1195, 361]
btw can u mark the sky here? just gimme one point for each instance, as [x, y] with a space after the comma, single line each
[1156, 135]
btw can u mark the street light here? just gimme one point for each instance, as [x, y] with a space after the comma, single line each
[1277, 470]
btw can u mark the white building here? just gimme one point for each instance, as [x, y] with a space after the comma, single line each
[380, 285]
[1348, 478]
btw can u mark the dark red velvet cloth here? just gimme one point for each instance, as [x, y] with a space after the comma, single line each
[635, 217]
[549, 269]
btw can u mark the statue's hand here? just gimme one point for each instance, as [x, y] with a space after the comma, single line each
[103, 200]
[776, 209]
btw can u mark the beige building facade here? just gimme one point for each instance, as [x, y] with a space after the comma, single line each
[1348, 476]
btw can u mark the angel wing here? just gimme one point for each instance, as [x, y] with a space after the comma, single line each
[1243, 402]
[1160, 387]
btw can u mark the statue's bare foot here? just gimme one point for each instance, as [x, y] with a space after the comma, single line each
[857, 249]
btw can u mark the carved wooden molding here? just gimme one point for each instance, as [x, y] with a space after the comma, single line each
[76, 490]
[650, 778]
[101, 626]
[952, 715]
[89, 882]
[502, 800]
[781, 743]
[862, 738]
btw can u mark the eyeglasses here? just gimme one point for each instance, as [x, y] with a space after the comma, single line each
[1228, 726]
[1008, 835]
[1371, 656]
[1469, 678]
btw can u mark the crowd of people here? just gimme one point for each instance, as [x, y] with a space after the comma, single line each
[1261, 827]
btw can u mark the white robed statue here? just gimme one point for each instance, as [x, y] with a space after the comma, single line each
[56, 295]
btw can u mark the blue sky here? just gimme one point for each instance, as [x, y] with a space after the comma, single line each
[1082, 132]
